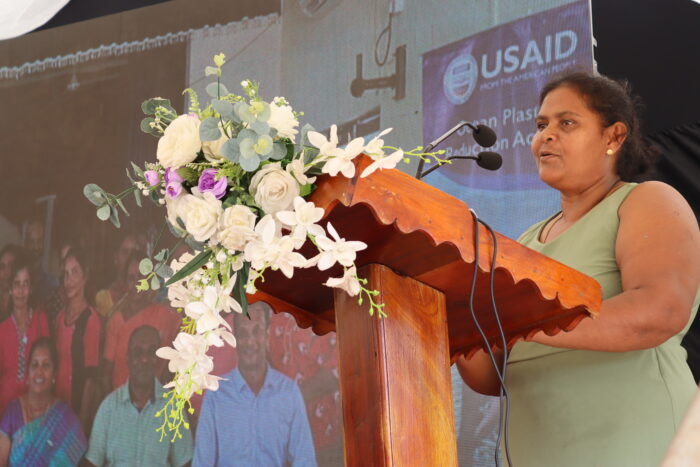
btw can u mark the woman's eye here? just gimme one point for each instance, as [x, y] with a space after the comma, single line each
[567, 122]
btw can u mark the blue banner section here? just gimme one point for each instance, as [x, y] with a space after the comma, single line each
[494, 78]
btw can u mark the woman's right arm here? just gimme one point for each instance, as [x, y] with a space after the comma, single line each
[478, 372]
[4, 449]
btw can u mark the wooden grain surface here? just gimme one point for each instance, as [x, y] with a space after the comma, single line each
[420, 232]
[395, 376]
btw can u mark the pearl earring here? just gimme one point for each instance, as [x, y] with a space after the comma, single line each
[609, 152]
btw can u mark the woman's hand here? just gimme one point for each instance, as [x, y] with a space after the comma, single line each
[478, 372]
[658, 253]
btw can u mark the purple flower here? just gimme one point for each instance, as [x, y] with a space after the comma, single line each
[173, 190]
[208, 182]
[173, 183]
[171, 175]
[152, 177]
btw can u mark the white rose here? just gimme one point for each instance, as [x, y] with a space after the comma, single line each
[200, 212]
[273, 188]
[236, 227]
[282, 119]
[212, 149]
[180, 142]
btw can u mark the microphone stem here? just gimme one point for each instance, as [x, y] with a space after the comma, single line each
[449, 159]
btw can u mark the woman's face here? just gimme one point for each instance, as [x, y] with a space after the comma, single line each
[570, 143]
[73, 278]
[41, 371]
[20, 289]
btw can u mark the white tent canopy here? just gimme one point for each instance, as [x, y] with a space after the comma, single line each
[19, 17]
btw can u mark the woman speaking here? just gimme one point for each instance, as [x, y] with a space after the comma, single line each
[612, 391]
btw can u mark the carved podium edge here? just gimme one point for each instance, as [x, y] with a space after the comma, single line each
[394, 372]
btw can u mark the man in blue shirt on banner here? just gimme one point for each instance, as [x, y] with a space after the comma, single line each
[257, 417]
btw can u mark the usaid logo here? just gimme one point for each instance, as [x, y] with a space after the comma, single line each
[459, 80]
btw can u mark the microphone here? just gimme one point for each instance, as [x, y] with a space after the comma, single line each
[489, 160]
[484, 137]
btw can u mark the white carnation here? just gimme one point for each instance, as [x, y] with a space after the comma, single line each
[282, 119]
[274, 189]
[180, 142]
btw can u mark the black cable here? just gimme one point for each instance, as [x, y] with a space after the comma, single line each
[500, 371]
[503, 339]
[386, 31]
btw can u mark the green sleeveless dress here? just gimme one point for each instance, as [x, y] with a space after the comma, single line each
[587, 408]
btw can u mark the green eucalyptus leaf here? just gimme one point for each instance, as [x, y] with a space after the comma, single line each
[209, 129]
[161, 254]
[114, 216]
[121, 205]
[216, 90]
[163, 270]
[94, 194]
[149, 106]
[137, 195]
[155, 283]
[194, 264]
[194, 244]
[103, 212]
[145, 266]
[231, 150]
[224, 108]
[178, 233]
[137, 170]
[146, 126]
[279, 150]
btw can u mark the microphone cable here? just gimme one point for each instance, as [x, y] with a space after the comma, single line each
[504, 401]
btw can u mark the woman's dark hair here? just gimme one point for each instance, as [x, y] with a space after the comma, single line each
[10, 248]
[614, 102]
[83, 260]
[46, 343]
[23, 261]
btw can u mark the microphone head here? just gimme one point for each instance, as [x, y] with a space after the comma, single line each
[484, 135]
[489, 160]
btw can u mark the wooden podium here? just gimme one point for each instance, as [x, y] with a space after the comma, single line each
[395, 372]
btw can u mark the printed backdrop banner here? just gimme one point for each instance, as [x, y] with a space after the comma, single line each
[494, 78]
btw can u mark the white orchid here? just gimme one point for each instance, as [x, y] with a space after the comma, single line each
[343, 161]
[387, 162]
[326, 147]
[219, 336]
[206, 311]
[297, 170]
[188, 349]
[374, 148]
[272, 249]
[338, 250]
[302, 220]
[349, 282]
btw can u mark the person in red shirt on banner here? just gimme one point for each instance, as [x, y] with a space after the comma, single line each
[18, 332]
[78, 331]
[136, 310]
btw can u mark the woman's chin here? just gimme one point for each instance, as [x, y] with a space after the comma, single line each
[549, 176]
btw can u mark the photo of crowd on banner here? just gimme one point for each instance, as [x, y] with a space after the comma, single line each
[80, 383]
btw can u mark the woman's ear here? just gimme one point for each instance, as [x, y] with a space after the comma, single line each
[616, 135]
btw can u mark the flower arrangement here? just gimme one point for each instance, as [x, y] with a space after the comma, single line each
[233, 181]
